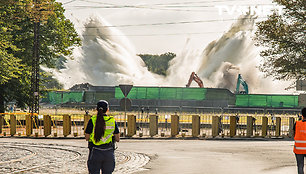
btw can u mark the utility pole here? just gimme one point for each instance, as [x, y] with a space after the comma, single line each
[35, 65]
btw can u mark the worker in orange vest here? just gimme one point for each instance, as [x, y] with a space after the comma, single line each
[300, 142]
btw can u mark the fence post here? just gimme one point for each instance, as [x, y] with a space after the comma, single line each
[233, 126]
[86, 119]
[291, 124]
[13, 124]
[66, 125]
[278, 127]
[153, 125]
[264, 126]
[195, 125]
[131, 125]
[29, 125]
[47, 125]
[249, 126]
[174, 125]
[215, 126]
[1, 122]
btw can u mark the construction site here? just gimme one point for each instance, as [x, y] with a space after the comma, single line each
[173, 99]
[162, 111]
[186, 90]
[171, 117]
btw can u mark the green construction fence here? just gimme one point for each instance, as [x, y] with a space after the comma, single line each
[59, 97]
[261, 100]
[94, 96]
[163, 93]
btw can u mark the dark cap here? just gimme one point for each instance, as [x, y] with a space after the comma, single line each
[102, 104]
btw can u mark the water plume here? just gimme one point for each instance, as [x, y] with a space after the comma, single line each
[105, 59]
[214, 64]
[227, 76]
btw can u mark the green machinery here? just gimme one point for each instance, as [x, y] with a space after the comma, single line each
[242, 82]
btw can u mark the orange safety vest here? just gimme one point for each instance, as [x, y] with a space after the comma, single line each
[300, 138]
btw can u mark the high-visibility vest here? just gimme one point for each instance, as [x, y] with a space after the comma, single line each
[109, 130]
[300, 138]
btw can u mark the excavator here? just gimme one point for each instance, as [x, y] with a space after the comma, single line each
[243, 83]
[196, 78]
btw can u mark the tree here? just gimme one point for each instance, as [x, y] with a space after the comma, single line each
[57, 38]
[10, 66]
[157, 63]
[283, 38]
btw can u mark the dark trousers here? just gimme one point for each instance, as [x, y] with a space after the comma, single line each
[101, 160]
[300, 162]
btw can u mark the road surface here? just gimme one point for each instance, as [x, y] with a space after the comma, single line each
[151, 156]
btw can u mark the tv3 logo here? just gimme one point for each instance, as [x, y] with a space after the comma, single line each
[253, 10]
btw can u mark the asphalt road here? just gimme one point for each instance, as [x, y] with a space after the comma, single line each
[216, 157]
[152, 156]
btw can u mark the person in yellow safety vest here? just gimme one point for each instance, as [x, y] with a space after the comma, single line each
[101, 132]
[300, 142]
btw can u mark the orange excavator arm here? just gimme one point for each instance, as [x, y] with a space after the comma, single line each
[196, 78]
[190, 79]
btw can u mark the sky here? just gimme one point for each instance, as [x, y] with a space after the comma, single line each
[159, 26]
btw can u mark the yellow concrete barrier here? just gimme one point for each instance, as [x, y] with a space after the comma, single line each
[195, 125]
[249, 126]
[264, 126]
[131, 125]
[86, 119]
[153, 125]
[13, 124]
[29, 125]
[47, 125]
[174, 125]
[233, 125]
[66, 125]
[291, 124]
[278, 127]
[1, 122]
[215, 126]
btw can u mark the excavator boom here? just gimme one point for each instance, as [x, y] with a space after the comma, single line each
[196, 78]
[243, 83]
[190, 79]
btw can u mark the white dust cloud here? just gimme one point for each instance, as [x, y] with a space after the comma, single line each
[105, 59]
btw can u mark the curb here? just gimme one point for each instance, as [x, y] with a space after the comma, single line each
[166, 138]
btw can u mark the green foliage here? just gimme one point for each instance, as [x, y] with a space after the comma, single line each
[283, 37]
[48, 82]
[157, 63]
[10, 66]
[60, 63]
[57, 37]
